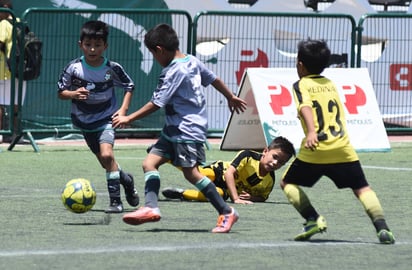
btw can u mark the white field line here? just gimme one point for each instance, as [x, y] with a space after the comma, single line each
[174, 248]
[387, 168]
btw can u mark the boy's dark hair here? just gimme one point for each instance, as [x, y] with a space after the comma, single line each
[94, 30]
[283, 144]
[314, 55]
[162, 35]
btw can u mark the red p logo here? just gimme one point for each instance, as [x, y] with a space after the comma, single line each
[400, 76]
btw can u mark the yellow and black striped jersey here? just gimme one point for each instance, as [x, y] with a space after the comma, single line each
[320, 93]
[248, 178]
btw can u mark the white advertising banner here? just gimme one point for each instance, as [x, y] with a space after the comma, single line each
[272, 111]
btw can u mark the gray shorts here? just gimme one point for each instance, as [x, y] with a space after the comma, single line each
[95, 138]
[182, 154]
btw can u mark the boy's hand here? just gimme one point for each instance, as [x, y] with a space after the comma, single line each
[244, 198]
[312, 141]
[80, 94]
[237, 104]
[240, 201]
[119, 121]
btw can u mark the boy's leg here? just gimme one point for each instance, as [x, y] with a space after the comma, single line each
[355, 179]
[127, 181]
[208, 189]
[195, 195]
[192, 194]
[113, 186]
[106, 158]
[314, 222]
[188, 194]
[101, 144]
[374, 210]
[150, 212]
[151, 189]
[227, 215]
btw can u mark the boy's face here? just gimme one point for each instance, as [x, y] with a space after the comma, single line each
[161, 56]
[93, 50]
[273, 159]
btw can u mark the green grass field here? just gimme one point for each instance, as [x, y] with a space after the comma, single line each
[37, 232]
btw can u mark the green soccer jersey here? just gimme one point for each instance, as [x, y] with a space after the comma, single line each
[321, 95]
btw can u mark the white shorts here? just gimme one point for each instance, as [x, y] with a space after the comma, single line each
[5, 93]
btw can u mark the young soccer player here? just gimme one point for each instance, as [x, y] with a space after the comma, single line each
[248, 178]
[89, 82]
[326, 149]
[180, 93]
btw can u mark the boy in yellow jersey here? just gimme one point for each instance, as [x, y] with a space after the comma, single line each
[326, 149]
[248, 178]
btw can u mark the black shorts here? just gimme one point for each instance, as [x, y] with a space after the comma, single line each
[344, 175]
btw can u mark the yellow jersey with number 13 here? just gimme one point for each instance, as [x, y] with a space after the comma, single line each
[320, 93]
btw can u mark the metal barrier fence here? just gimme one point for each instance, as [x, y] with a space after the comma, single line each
[59, 30]
[229, 42]
[384, 41]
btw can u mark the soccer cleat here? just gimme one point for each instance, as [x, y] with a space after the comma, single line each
[226, 221]
[142, 215]
[311, 228]
[173, 193]
[132, 197]
[115, 207]
[386, 237]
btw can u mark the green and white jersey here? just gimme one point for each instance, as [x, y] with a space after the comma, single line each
[181, 92]
[97, 110]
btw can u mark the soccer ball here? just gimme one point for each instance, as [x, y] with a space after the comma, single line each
[78, 195]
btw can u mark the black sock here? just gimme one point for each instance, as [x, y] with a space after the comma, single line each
[214, 198]
[380, 224]
[151, 189]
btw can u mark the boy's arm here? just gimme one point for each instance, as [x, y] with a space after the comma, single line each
[125, 104]
[120, 120]
[78, 94]
[231, 186]
[311, 141]
[235, 104]
[246, 196]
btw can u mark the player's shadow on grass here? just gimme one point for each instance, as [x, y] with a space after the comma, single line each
[331, 241]
[183, 201]
[90, 221]
[157, 230]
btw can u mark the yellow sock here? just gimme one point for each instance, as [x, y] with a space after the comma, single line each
[372, 205]
[298, 199]
[196, 195]
[208, 172]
